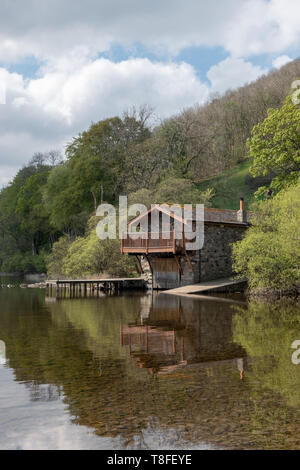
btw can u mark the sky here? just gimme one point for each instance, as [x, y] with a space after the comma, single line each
[67, 63]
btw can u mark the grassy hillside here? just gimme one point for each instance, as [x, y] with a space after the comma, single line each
[231, 185]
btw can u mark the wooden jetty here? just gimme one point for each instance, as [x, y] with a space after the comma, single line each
[91, 287]
[221, 285]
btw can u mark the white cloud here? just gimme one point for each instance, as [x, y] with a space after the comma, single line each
[261, 27]
[232, 73]
[51, 31]
[281, 61]
[74, 87]
[45, 112]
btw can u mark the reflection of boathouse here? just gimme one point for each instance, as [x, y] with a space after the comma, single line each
[181, 332]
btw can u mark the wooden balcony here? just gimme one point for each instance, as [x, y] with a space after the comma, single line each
[160, 242]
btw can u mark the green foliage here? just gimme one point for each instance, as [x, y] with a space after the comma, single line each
[269, 255]
[20, 263]
[275, 146]
[267, 331]
[56, 258]
[24, 223]
[52, 197]
[230, 186]
[87, 256]
[182, 191]
[58, 196]
[30, 204]
[146, 164]
[142, 196]
[100, 163]
[173, 191]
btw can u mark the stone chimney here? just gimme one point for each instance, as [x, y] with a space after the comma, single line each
[241, 214]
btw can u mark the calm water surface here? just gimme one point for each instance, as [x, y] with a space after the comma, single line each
[137, 371]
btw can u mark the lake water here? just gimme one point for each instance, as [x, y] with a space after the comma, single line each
[143, 371]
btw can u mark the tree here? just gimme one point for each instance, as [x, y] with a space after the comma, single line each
[96, 169]
[269, 254]
[181, 191]
[53, 158]
[34, 216]
[87, 255]
[25, 231]
[55, 260]
[275, 146]
[267, 331]
[187, 138]
[146, 164]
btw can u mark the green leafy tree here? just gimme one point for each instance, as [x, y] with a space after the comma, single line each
[181, 191]
[267, 331]
[97, 158]
[25, 231]
[269, 254]
[63, 200]
[34, 215]
[275, 146]
[56, 259]
[172, 191]
[87, 256]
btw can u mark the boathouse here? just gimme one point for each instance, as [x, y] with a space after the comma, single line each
[167, 262]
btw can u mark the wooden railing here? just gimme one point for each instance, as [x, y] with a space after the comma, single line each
[152, 242]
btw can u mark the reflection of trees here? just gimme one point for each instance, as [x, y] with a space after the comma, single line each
[74, 346]
[267, 332]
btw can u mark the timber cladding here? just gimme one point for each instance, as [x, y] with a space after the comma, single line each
[167, 265]
[166, 274]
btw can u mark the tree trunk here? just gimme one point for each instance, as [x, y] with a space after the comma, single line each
[34, 248]
[95, 200]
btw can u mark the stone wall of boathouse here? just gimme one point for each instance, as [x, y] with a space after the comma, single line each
[216, 254]
[164, 271]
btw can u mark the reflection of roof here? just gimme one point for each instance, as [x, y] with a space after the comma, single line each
[219, 216]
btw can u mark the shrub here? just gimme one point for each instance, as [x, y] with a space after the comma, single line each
[269, 254]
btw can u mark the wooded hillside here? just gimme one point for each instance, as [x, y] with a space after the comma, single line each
[180, 160]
